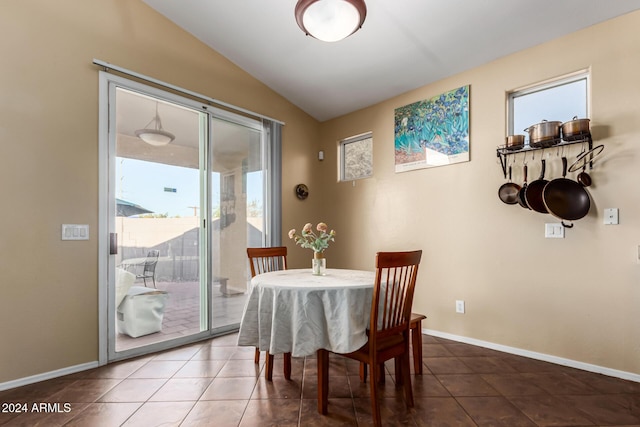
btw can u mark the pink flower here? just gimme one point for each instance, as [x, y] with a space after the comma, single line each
[311, 240]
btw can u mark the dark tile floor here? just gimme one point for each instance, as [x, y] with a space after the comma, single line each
[216, 383]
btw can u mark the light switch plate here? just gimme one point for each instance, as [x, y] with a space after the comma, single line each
[553, 230]
[75, 232]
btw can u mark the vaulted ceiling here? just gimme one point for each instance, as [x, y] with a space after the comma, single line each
[403, 44]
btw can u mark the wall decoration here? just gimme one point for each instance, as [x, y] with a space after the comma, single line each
[433, 132]
[302, 192]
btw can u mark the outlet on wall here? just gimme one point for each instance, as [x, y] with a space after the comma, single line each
[459, 306]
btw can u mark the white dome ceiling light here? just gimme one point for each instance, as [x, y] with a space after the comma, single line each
[155, 136]
[330, 20]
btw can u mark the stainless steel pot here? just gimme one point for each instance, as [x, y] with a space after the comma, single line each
[545, 133]
[515, 142]
[575, 129]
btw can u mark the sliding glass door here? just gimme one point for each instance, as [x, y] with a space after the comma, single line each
[187, 193]
[237, 212]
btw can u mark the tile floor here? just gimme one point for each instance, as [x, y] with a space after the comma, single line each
[216, 383]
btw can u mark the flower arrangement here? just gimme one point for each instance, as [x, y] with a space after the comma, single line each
[309, 239]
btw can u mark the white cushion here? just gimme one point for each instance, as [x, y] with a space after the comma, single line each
[124, 280]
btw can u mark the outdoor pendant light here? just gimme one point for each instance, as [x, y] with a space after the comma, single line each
[330, 20]
[155, 136]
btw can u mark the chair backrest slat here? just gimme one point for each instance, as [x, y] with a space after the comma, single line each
[264, 260]
[396, 274]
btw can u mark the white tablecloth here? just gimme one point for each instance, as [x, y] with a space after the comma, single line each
[293, 311]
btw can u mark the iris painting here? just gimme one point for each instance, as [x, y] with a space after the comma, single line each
[433, 132]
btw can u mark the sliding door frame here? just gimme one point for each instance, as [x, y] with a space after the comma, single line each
[106, 204]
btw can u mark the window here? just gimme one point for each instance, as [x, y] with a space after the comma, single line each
[558, 100]
[356, 157]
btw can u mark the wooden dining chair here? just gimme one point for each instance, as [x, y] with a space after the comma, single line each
[389, 334]
[264, 260]
[415, 327]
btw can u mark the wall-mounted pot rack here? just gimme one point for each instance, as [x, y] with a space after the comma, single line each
[503, 151]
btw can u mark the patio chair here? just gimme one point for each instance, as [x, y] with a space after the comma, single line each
[389, 329]
[264, 260]
[149, 267]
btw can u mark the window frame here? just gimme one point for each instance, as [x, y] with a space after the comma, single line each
[584, 74]
[342, 156]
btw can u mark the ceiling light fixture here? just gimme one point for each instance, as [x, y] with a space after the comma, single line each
[330, 20]
[155, 136]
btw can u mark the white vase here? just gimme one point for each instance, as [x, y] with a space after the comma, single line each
[318, 264]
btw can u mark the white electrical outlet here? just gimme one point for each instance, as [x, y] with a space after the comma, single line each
[459, 306]
[611, 216]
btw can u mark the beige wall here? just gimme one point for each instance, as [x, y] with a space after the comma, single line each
[576, 298]
[49, 152]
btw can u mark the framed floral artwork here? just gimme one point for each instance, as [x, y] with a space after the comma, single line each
[432, 132]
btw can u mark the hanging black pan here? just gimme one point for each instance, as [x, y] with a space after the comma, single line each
[521, 198]
[583, 159]
[566, 199]
[508, 192]
[534, 190]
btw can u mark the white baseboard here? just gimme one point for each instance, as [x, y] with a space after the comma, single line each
[47, 375]
[538, 356]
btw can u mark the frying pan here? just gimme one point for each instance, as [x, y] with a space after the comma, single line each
[534, 190]
[581, 162]
[583, 177]
[566, 199]
[508, 192]
[521, 194]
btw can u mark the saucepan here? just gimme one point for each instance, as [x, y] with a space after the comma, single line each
[575, 129]
[581, 162]
[515, 142]
[508, 192]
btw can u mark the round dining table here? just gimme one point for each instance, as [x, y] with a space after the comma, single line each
[294, 311]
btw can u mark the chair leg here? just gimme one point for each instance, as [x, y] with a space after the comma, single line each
[381, 373]
[398, 365]
[363, 373]
[268, 368]
[406, 378]
[416, 343]
[154, 281]
[256, 358]
[375, 405]
[323, 380]
[287, 366]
